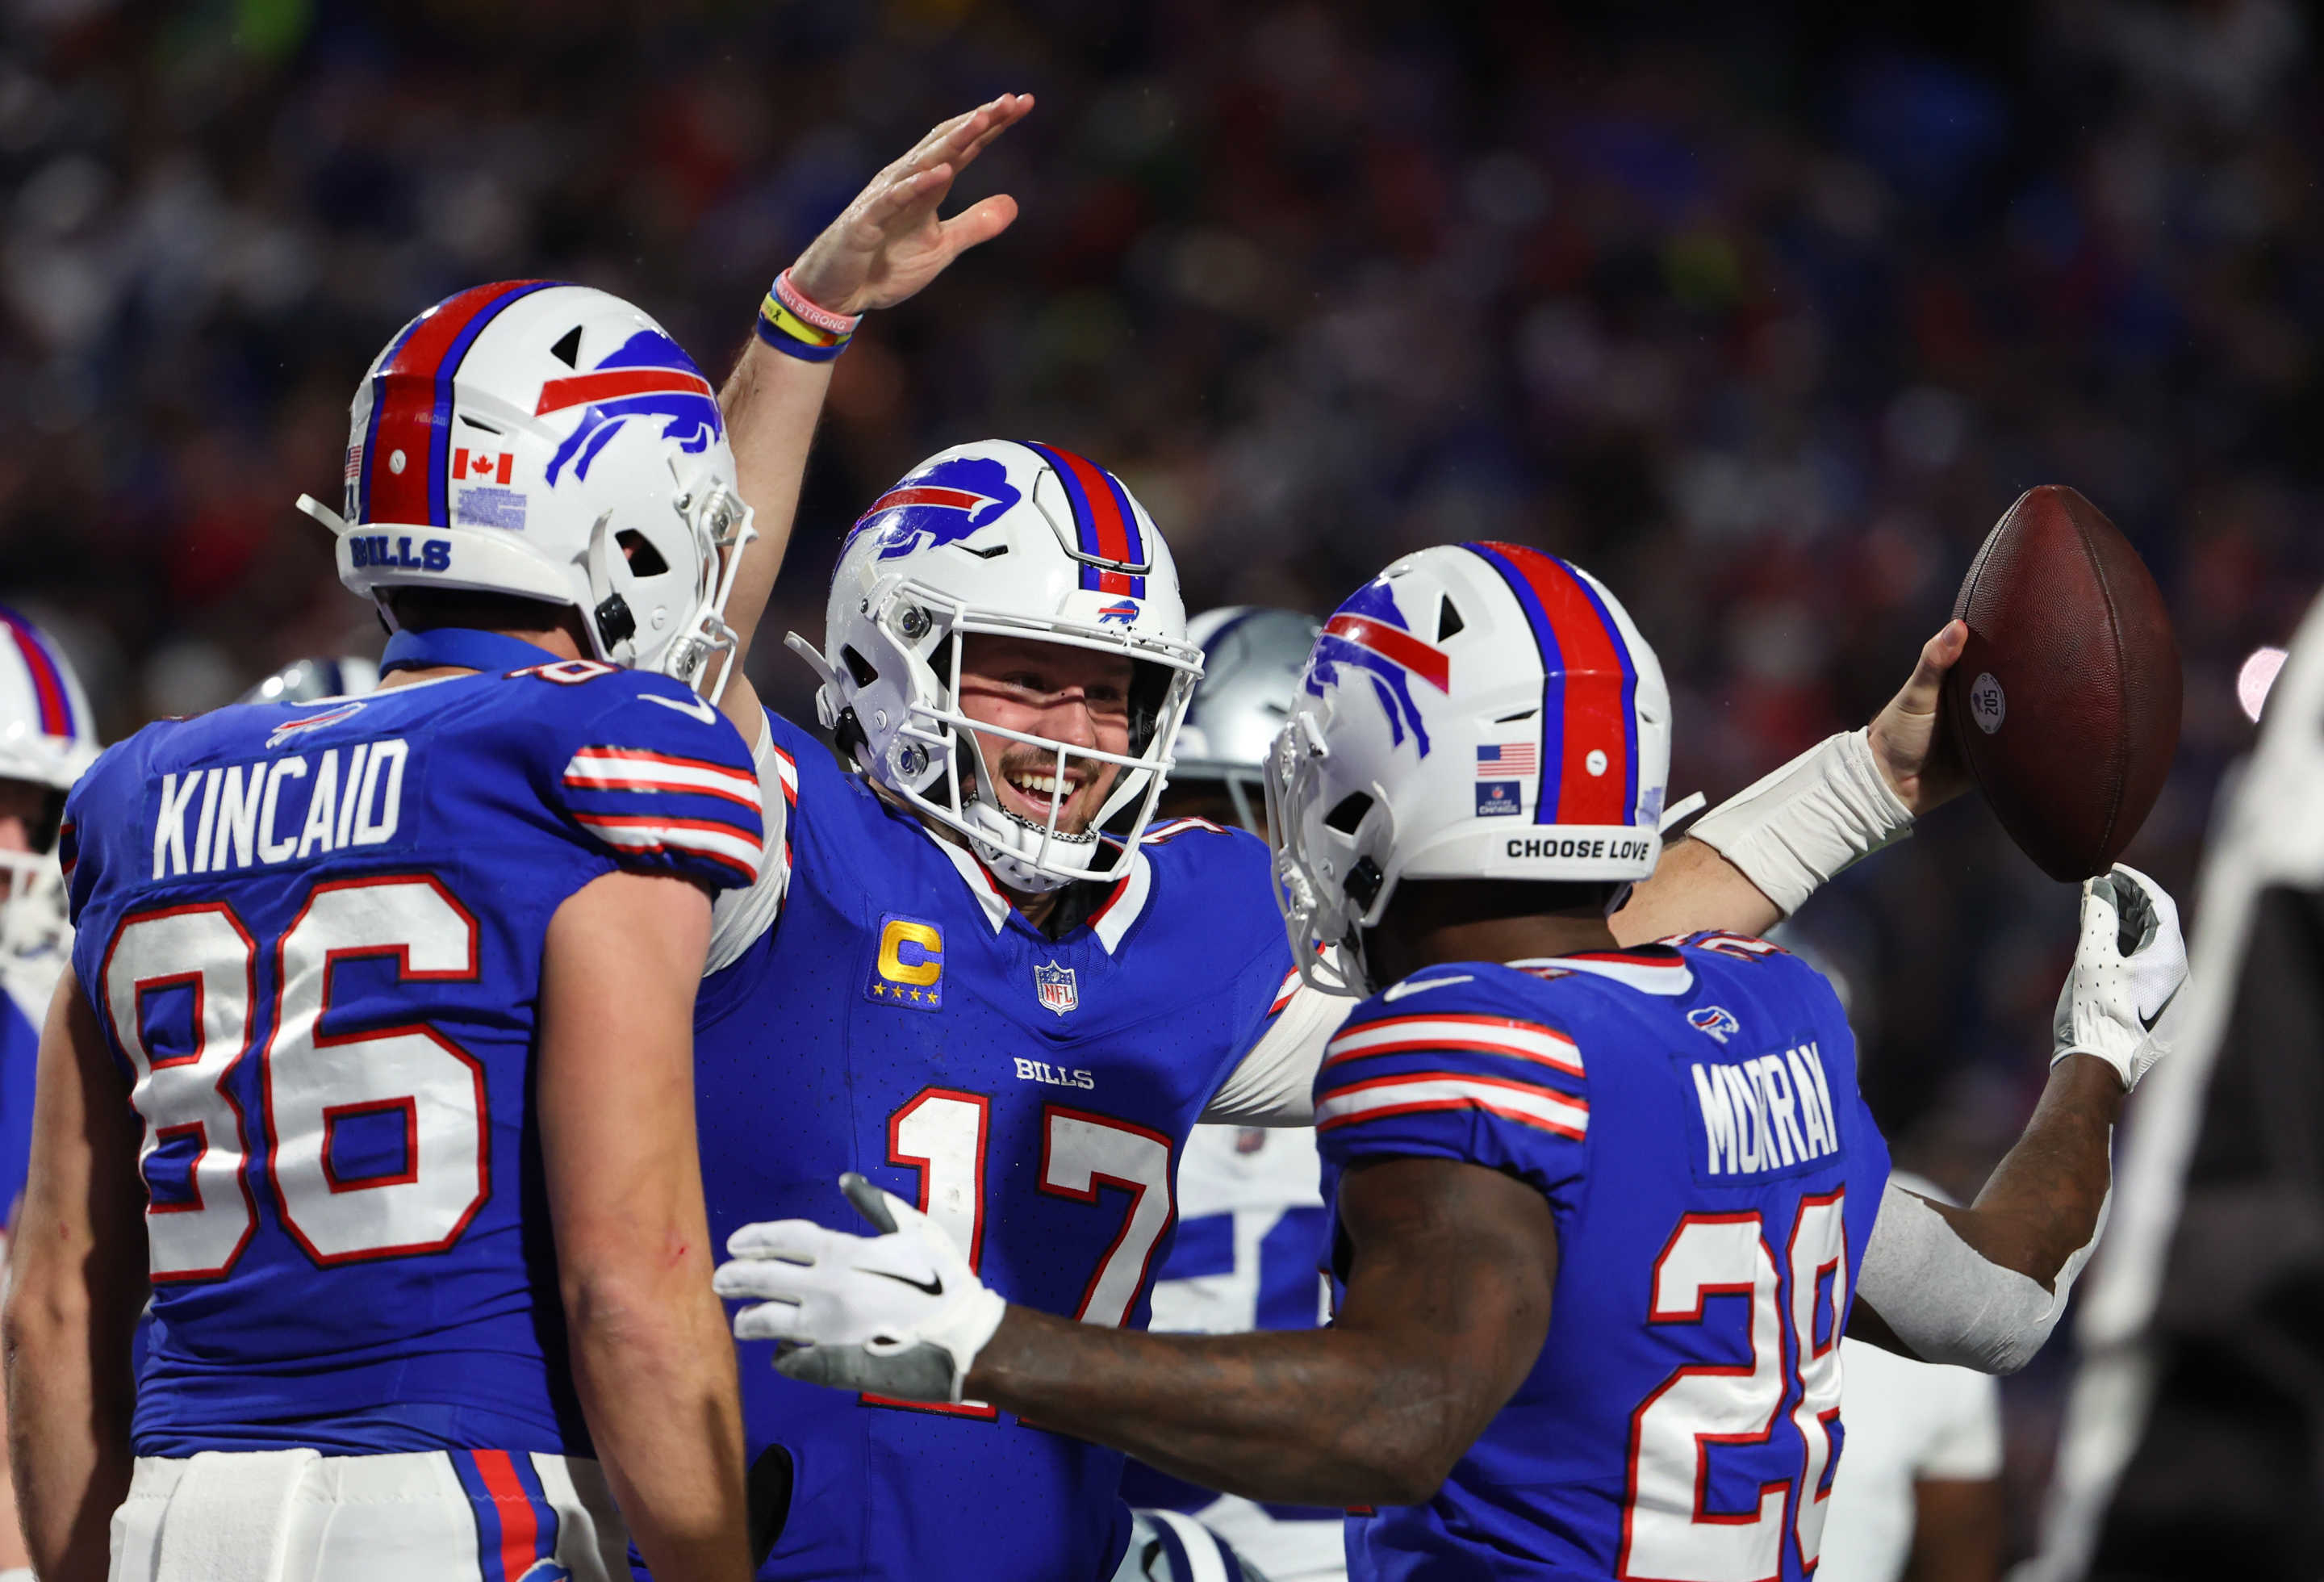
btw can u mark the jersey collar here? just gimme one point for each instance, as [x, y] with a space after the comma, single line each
[1109, 922]
[1658, 969]
[989, 898]
[462, 646]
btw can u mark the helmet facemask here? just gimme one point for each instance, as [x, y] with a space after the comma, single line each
[1335, 879]
[638, 583]
[907, 695]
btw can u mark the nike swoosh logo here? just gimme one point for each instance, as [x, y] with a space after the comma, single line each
[692, 707]
[2148, 1022]
[931, 1287]
[1399, 991]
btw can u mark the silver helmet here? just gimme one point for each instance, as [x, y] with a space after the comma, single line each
[1252, 660]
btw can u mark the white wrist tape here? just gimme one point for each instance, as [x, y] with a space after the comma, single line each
[1792, 831]
[1946, 1302]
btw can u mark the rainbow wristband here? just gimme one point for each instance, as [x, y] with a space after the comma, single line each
[788, 294]
[798, 327]
[794, 336]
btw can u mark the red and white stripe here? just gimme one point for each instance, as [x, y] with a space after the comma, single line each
[632, 769]
[1156, 834]
[1485, 1035]
[1283, 995]
[1657, 974]
[1125, 906]
[722, 843]
[787, 771]
[1419, 1092]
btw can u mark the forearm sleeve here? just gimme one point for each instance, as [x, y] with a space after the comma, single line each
[1792, 831]
[1946, 1302]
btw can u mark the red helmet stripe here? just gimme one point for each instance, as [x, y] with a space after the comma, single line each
[1590, 674]
[612, 383]
[412, 405]
[1431, 664]
[48, 684]
[926, 494]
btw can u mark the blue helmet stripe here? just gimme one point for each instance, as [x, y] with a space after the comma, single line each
[371, 423]
[1629, 691]
[440, 431]
[1552, 752]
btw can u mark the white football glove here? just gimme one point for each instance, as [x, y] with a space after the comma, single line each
[2120, 1000]
[898, 1314]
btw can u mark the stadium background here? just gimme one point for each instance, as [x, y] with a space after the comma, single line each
[1763, 313]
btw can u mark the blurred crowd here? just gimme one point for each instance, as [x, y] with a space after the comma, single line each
[1764, 313]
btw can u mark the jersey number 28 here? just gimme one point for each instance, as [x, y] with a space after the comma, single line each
[1796, 1302]
[311, 1083]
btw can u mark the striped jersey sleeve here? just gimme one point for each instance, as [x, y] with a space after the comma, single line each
[1504, 1091]
[742, 916]
[661, 786]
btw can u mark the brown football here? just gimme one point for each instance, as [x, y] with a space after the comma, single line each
[2065, 703]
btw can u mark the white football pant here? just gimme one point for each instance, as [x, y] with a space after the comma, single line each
[297, 1516]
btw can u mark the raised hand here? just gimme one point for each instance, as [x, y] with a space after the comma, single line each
[1908, 738]
[2129, 966]
[887, 243]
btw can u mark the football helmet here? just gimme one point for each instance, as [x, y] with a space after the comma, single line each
[304, 681]
[551, 442]
[47, 738]
[1252, 660]
[1012, 540]
[1479, 711]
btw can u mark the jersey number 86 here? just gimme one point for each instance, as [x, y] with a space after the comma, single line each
[311, 1084]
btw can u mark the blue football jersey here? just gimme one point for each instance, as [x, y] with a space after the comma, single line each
[903, 1020]
[1690, 1113]
[312, 935]
[20, 1049]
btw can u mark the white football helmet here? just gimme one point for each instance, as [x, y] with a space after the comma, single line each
[1484, 711]
[551, 442]
[1010, 540]
[1252, 661]
[47, 738]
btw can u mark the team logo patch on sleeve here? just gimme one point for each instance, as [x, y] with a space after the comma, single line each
[1716, 1021]
[1054, 985]
[910, 967]
[313, 722]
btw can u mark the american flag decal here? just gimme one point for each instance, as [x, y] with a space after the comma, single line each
[1504, 760]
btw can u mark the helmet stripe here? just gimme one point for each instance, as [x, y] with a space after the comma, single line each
[612, 383]
[1629, 696]
[48, 688]
[1424, 660]
[1589, 693]
[412, 405]
[1104, 522]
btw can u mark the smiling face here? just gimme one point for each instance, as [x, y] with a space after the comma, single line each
[1071, 695]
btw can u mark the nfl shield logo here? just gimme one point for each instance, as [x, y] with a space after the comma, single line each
[1055, 985]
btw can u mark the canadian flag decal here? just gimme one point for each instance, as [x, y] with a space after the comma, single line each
[476, 464]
